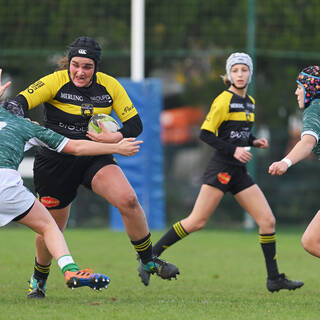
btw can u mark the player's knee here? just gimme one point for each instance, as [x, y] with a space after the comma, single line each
[127, 202]
[271, 221]
[307, 242]
[268, 223]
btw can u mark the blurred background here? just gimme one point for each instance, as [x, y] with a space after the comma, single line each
[186, 46]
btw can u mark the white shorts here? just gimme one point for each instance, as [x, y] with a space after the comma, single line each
[15, 198]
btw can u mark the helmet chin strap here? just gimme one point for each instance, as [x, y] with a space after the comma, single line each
[239, 88]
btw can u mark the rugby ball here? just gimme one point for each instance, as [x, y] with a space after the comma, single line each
[110, 123]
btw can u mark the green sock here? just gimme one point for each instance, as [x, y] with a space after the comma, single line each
[70, 267]
[66, 263]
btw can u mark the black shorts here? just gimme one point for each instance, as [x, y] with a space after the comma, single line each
[227, 177]
[23, 214]
[57, 176]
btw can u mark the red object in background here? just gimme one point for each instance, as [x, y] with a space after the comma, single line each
[177, 124]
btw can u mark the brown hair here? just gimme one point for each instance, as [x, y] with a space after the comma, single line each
[225, 80]
[63, 63]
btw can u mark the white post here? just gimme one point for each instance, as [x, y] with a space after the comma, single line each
[137, 39]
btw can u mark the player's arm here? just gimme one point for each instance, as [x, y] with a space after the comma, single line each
[210, 126]
[59, 143]
[37, 93]
[299, 152]
[126, 111]
[4, 87]
[131, 128]
[125, 147]
[239, 153]
[212, 140]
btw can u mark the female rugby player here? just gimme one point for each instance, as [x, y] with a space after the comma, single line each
[308, 96]
[18, 204]
[227, 129]
[70, 97]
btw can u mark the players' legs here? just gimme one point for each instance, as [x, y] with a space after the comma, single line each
[253, 201]
[111, 184]
[43, 258]
[61, 217]
[40, 220]
[207, 201]
[311, 237]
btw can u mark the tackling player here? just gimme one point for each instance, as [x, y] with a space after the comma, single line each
[308, 96]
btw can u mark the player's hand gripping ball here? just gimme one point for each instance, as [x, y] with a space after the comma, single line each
[107, 121]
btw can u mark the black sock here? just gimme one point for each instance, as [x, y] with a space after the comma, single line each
[174, 234]
[41, 272]
[144, 248]
[268, 245]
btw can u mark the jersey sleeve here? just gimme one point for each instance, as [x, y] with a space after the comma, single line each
[122, 104]
[216, 115]
[46, 137]
[41, 90]
[35, 142]
[311, 121]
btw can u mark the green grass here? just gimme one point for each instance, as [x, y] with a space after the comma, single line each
[222, 277]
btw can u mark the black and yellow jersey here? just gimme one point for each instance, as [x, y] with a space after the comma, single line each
[230, 119]
[68, 108]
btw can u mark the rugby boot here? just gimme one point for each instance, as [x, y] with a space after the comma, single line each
[86, 278]
[143, 274]
[283, 283]
[37, 288]
[161, 268]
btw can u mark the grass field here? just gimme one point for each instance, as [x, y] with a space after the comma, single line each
[222, 277]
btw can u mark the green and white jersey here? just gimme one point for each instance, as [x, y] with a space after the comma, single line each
[16, 132]
[311, 123]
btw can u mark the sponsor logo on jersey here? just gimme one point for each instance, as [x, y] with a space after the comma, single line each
[241, 106]
[72, 97]
[127, 109]
[87, 110]
[236, 106]
[224, 177]
[82, 51]
[104, 98]
[49, 202]
[35, 86]
[239, 134]
[73, 127]
[2, 124]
